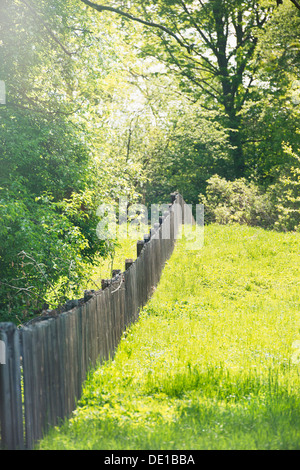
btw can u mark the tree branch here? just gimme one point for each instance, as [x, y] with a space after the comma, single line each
[192, 79]
[101, 8]
[297, 4]
[19, 289]
[15, 104]
[205, 39]
[51, 34]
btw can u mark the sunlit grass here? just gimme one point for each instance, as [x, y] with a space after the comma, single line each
[209, 363]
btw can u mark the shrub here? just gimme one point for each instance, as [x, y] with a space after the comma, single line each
[287, 195]
[237, 201]
[44, 247]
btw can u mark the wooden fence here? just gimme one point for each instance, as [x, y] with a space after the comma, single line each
[47, 362]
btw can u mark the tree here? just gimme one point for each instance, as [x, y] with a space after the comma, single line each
[48, 178]
[164, 140]
[209, 45]
[39, 143]
[271, 116]
[295, 2]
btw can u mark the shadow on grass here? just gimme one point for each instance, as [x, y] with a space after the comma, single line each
[214, 411]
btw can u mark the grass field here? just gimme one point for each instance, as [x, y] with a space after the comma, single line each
[211, 363]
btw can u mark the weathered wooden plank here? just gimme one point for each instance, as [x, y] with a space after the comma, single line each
[130, 294]
[140, 281]
[151, 275]
[113, 321]
[48, 372]
[85, 338]
[119, 314]
[90, 334]
[144, 279]
[101, 326]
[72, 361]
[10, 389]
[122, 309]
[54, 374]
[42, 379]
[134, 297]
[104, 336]
[68, 362]
[127, 290]
[47, 379]
[107, 297]
[112, 317]
[77, 371]
[98, 331]
[64, 362]
[93, 332]
[35, 377]
[101, 318]
[28, 386]
[139, 246]
[59, 323]
[83, 342]
[78, 333]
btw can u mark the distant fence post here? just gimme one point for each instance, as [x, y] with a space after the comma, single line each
[128, 263]
[11, 416]
[139, 247]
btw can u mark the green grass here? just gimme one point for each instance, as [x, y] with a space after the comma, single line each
[126, 249]
[209, 364]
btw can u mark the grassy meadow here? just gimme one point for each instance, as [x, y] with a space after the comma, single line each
[212, 362]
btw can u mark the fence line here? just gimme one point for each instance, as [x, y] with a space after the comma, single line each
[47, 362]
[11, 418]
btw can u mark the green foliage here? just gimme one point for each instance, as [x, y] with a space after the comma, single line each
[186, 154]
[238, 59]
[237, 201]
[211, 362]
[209, 48]
[43, 253]
[287, 191]
[50, 182]
[244, 202]
[271, 115]
[42, 154]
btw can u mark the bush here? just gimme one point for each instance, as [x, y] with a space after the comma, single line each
[237, 201]
[286, 192]
[44, 248]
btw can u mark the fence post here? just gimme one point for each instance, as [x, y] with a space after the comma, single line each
[128, 263]
[173, 197]
[11, 416]
[104, 283]
[139, 247]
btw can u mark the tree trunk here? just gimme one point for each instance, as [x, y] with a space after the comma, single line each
[229, 86]
[237, 152]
